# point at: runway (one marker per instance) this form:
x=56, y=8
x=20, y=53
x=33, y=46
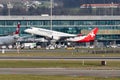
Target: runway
x=58, y=58
x=61, y=71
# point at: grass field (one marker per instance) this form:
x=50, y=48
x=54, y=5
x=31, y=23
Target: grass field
x=59, y=53
x=59, y=64
x=42, y=77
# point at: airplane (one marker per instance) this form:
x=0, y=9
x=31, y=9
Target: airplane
x=10, y=39
x=55, y=35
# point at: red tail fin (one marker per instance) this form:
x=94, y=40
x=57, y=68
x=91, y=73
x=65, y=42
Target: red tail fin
x=92, y=34
x=17, y=29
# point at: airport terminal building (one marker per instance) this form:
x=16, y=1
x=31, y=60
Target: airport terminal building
x=109, y=26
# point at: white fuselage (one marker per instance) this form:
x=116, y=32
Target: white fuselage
x=48, y=33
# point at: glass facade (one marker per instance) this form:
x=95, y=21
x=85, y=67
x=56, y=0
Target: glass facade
x=108, y=29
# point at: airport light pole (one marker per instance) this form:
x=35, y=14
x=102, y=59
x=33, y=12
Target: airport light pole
x=9, y=6
x=51, y=1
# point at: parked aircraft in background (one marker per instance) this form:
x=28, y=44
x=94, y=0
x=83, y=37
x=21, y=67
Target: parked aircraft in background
x=10, y=39
x=55, y=35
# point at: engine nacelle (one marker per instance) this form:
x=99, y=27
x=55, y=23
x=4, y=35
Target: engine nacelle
x=55, y=37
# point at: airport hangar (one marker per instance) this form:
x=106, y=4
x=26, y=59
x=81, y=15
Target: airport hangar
x=109, y=26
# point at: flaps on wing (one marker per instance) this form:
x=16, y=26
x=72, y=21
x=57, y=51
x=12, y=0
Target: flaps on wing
x=65, y=37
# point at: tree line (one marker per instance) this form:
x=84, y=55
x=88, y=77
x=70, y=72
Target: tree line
x=60, y=11
x=66, y=7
